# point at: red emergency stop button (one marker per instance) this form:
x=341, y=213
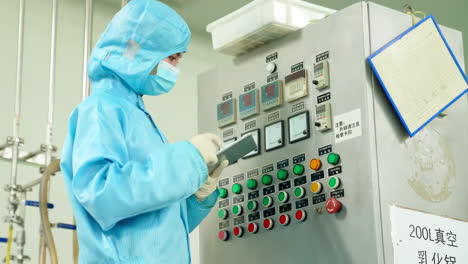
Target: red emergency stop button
x=223, y=235
x=333, y=206
x=253, y=228
x=268, y=223
x=238, y=231
x=284, y=219
x=300, y=215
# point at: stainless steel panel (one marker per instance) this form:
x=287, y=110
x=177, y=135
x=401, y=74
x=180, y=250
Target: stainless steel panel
x=376, y=166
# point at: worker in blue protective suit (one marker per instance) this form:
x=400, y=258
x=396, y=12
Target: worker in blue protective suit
x=135, y=196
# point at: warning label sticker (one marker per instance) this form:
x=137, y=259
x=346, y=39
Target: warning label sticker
x=347, y=126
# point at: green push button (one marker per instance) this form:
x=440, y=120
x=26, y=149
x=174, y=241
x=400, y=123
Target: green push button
x=252, y=184
x=283, y=197
x=267, y=179
x=222, y=214
x=236, y=188
x=298, y=169
x=282, y=174
x=223, y=192
x=299, y=192
x=267, y=201
x=334, y=182
x=333, y=158
x=237, y=209
x=252, y=205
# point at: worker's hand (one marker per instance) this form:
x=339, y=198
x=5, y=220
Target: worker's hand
x=211, y=182
x=208, y=145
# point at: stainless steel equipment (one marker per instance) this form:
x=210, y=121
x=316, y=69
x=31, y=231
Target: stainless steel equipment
x=301, y=113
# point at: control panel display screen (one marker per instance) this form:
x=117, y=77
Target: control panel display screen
x=248, y=104
x=299, y=127
x=272, y=95
x=295, y=85
x=274, y=136
x=226, y=112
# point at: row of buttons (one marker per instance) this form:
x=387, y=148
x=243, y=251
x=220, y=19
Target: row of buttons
x=332, y=206
x=283, y=197
x=283, y=174
x=268, y=224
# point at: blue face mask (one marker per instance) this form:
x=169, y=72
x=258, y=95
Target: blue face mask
x=164, y=80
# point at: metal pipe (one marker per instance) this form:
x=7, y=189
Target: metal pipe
x=50, y=116
x=87, y=47
x=19, y=77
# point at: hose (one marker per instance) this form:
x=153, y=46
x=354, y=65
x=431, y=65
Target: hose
x=76, y=249
x=10, y=241
x=53, y=167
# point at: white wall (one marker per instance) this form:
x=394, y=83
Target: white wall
x=68, y=94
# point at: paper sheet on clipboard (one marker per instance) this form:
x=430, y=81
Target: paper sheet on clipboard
x=419, y=74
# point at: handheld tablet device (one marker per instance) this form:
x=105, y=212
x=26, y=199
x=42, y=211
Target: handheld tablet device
x=236, y=150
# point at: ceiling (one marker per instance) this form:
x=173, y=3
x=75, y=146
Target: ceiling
x=199, y=13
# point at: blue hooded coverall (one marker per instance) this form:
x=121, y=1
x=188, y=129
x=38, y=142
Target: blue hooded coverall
x=132, y=191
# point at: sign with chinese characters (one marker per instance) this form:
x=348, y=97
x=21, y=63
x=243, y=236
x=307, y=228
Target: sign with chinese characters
x=347, y=126
x=422, y=238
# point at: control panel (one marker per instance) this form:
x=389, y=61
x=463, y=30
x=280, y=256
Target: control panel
x=331, y=156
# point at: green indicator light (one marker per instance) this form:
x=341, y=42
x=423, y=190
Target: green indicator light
x=252, y=184
x=282, y=174
x=333, y=158
x=236, y=188
x=223, y=193
x=298, y=169
x=252, y=205
x=334, y=182
x=236, y=209
x=267, y=201
x=282, y=196
x=267, y=179
x=298, y=192
x=222, y=214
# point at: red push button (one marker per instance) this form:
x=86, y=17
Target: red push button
x=268, y=223
x=301, y=215
x=333, y=206
x=253, y=228
x=223, y=235
x=238, y=231
x=284, y=219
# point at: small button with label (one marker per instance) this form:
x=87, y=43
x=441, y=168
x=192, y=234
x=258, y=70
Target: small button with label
x=299, y=192
x=252, y=184
x=252, y=227
x=284, y=219
x=237, y=209
x=315, y=164
x=298, y=169
x=300, y=215
x=252, y=205
x=334, y=182
x=316, y=187
x=223, y=235
x=223, y=192
x=268, y=223
x=333, y=158
x=237, y=188
x=223, y=214
x=238, y=231
x=282, y=174
x=267, y=179
x=283, y=196
x=267, y=201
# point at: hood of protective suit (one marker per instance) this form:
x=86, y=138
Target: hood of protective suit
x=139, y=36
